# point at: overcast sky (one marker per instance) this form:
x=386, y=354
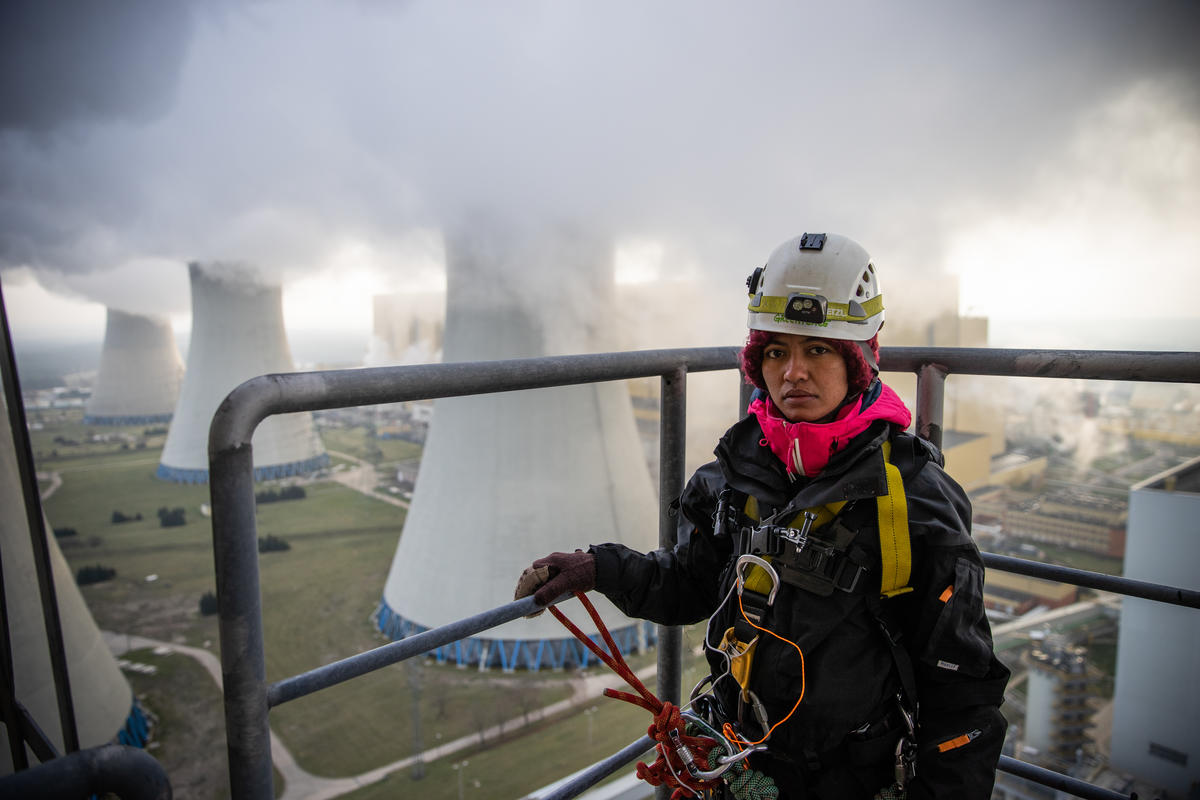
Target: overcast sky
x=1046, y=154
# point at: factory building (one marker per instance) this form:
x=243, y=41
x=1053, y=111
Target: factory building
x=1060, y=701
x=1157, y=705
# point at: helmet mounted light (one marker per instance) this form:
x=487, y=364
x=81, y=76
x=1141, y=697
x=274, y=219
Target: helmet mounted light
x=808, y=308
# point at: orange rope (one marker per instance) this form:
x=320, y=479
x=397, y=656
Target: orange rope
x=727, y=729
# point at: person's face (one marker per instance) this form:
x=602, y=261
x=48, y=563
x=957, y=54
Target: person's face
x=805, y=376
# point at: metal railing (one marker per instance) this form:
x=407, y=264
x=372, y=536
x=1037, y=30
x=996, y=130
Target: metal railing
x=248, y=696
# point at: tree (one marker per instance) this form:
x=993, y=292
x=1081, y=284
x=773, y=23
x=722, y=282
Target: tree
x=94, y=574
x=208, y=604
x=271, y=543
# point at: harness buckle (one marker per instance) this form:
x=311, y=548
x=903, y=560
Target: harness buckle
x=839, y=577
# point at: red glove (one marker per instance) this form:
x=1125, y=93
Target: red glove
x=557, y=574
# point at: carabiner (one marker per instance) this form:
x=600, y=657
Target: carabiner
x=724, y=763
x=906, y=748
x=765, y=566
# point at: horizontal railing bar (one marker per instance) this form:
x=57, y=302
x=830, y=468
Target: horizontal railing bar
x=394, y=652
x=599, y=771
x=281, y=393
x=1056, y=780
x=1095, y=580
x=1100, y=365
x=339, y=671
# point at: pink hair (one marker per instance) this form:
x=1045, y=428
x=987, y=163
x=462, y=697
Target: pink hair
x=858, y=373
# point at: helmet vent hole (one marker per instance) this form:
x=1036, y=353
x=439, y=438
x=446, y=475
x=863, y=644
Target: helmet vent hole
x=860, y=291
x=871, y=268
x=866, y=277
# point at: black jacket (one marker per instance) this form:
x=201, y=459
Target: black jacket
x=848, y=671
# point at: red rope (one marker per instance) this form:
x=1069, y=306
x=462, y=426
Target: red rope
x=667, y=725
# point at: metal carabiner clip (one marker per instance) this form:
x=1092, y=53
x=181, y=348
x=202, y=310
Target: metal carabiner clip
x=906, y=748
x=724, y=763
x=755, y=561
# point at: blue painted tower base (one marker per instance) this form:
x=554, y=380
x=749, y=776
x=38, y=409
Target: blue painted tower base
x=512, y=654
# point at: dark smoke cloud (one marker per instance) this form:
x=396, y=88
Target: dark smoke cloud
x=270, y=133
x=68, y=64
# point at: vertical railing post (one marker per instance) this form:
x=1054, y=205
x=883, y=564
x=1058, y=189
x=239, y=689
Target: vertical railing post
x=239, y=605
x=672, y=440
x=931, y=402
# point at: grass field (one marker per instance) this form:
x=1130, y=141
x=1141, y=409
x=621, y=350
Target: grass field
x=318, y=598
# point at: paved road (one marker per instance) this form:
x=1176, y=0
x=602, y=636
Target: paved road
x=362, y=478
x=302, y=785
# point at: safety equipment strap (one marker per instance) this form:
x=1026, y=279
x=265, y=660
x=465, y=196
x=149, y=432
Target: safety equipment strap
x=895, y=547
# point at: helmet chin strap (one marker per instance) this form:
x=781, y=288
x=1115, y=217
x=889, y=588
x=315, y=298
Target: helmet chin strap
x=869, y=355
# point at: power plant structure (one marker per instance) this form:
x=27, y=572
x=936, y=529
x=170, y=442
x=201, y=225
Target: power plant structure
x=104, y=706
x=140, y=372
x=237, y=334
x=1155, y=734
x=1062, y=698
x=506, y=478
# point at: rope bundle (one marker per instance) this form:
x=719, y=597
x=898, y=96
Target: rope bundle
x=669, y=730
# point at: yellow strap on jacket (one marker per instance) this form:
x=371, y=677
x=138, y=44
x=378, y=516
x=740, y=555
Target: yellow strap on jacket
x=895, y=548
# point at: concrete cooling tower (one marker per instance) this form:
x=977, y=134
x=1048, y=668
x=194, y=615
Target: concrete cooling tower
x=237, y=334
x=105, y=710
x=140, y=372
x=507, y=478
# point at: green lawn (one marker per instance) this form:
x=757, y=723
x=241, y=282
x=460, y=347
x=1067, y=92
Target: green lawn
x=359, y=442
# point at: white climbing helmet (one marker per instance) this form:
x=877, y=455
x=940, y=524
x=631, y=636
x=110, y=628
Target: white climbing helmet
x=818, y=284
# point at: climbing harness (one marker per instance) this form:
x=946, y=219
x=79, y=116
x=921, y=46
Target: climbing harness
x=693, y=758
x=816, y=551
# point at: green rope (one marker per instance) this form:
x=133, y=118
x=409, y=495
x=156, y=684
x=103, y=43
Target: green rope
x=745, y=783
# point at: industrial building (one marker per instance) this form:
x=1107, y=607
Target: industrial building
x=1155, y=731
x=1071, y=518
x=140, y=372
x=1061, y=700
x=237, y=334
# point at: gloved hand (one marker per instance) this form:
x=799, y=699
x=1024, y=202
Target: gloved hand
x=557, y=574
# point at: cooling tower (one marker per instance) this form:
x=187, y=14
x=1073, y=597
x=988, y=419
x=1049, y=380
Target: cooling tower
x=140, y=372
x=506, y=478
x=237, y=334
x=104, y=706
